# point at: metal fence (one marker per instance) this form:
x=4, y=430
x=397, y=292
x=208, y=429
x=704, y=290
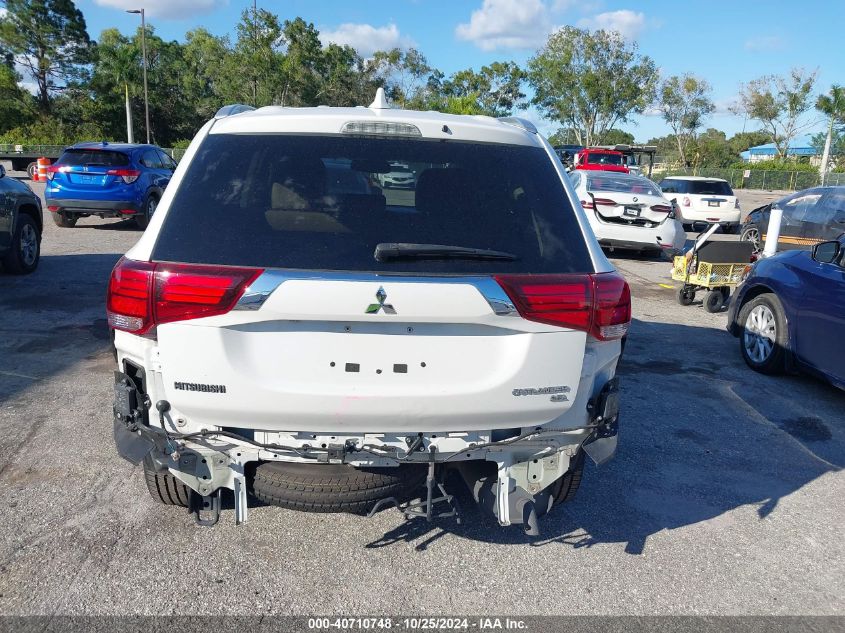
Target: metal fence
x=55, y=150
x=759, y=178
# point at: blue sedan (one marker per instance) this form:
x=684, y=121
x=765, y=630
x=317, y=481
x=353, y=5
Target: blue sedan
x=790, y=313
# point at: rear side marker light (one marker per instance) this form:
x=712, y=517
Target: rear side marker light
x=128, y=175
x=53, y=208
x=142, y=295
x=599, y=304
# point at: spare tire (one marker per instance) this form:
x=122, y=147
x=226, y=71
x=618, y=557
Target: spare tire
x=332, y=487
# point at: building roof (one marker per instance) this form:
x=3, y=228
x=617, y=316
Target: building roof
x=801, y=146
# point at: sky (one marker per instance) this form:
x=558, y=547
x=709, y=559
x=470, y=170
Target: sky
x=726, y=42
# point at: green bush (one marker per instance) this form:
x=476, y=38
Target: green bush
x=776, y=165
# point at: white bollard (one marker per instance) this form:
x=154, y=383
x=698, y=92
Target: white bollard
x=773, y=232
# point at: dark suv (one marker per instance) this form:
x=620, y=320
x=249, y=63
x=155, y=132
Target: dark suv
x=810, y=216
x=107, y=180
x=21, y=223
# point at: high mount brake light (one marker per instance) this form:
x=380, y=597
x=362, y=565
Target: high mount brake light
x=599, y=304
x=605, y=202
x=142, y=295
x=128, y=175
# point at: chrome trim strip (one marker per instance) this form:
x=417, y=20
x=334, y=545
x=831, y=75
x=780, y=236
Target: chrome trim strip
x=267, y=283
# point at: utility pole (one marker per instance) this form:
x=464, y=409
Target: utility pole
x=144, y=64
x=254, y=52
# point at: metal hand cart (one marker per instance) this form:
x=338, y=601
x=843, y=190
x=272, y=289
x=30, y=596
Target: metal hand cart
x=713, y=266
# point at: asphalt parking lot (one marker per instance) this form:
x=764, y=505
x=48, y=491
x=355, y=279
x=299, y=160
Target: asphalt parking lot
x=725, y=496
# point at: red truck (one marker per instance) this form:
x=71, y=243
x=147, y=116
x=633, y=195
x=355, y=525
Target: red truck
x=601, y=160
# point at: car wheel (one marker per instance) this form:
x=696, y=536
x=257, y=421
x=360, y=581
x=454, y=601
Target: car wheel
x=564, y=489
x=714, y=300
x=25, y=251
x=143, y=219
x=763, y=338
x=686, y=296
x=64, y=220
x=164, y=487
x=32, y=170
x=332, y=487
x=751, y=233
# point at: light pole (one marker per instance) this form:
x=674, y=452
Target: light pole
x=144, y=64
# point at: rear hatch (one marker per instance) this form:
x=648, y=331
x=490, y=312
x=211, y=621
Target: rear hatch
x=85, y=171
x=711, y=196
x=625, y=198
x=462, y=304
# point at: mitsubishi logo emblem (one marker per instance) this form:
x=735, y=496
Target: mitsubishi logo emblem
x=374, y=308
x=635, y=198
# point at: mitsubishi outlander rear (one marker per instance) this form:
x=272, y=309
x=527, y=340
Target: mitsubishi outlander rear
x=330, y=351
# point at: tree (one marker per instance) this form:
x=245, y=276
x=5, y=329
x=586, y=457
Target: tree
x=301, y=65
x=589, y=82
x=496, y=89
x=16, y=105
x=118, y=67
x=832, y=105
x=779, y=103
x=684, y=102
x=402, y=73
x=617, y=137
x=48, y=38
x=253, y=68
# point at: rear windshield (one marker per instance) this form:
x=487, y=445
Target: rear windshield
x=594, y=158
x=326, y=202
x=623, y=184
x=93, y=157
x=697, y=187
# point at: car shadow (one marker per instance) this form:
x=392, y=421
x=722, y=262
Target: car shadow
x=53, y=319
x=120, y=225
x=701, y=437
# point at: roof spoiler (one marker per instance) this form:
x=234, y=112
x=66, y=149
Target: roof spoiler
x=523, y=124
x=235, y=108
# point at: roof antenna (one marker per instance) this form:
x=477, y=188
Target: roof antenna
x=380, y=102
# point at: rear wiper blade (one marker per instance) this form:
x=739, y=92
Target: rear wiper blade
x=403, y=250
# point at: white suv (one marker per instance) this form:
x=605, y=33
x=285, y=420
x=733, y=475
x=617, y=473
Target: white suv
x=701, y=199
x=336, y=351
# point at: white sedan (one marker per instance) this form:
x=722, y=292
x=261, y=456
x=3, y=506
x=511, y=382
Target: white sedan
x=629, y=212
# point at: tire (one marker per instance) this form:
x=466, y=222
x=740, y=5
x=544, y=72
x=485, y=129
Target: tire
x=143, y=219
x=332, y=487
x=763, y=336
x=164, y=487
x=64, y=220
x=565, y=488
x=25, y=251
x=714, y=300
x=751, y=233
x=32, y=170
x=685, y=296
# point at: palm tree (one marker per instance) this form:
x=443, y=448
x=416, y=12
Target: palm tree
x=118, y=64
x=831, y=105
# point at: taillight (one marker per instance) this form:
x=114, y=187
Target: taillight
x=686, y=201
x=599, y=304
x=52, y=170
x=661, y=208
x=128, y=175
x=142, y=295
x=605, y=202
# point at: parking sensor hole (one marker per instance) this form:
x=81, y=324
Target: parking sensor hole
x=203, y=461
x=422, y=364
x=378, y=371
x=332, y=364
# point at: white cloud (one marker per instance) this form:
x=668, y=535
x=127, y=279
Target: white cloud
x=765, y=43
x=626, y=22
x=365, y=38
x=508, y=24
x=2, y=12
x=167, y=9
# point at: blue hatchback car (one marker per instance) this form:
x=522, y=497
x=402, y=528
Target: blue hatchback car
x=790, y=313
x=107, y=180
